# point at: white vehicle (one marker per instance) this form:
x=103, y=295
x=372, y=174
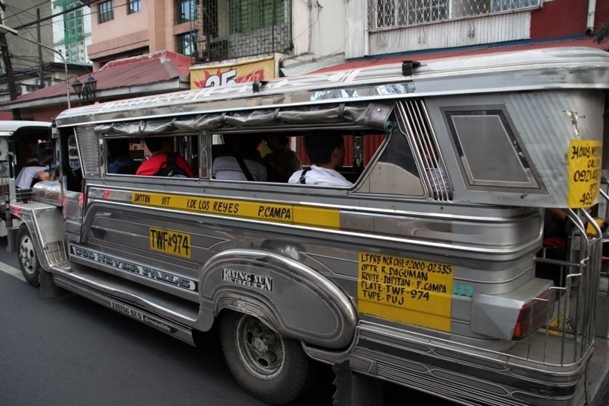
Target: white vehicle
x=429, y=271
x=19, y=140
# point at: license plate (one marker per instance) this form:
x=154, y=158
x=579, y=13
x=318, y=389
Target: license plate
x=170, y=242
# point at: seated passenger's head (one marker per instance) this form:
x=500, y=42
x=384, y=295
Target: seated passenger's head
x=325, y=148
x=43, y=175
x=276, y=142
x=244, y=143
x=159, y=144
x=118, y=148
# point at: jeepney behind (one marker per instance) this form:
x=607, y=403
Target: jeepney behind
x=426, y=273
x=19, y=140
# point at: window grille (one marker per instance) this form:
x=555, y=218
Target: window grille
x=403, y=13
x=249, y=15
x=187, y=11
x=106, y=11
x=133, y=6
x=238, y=28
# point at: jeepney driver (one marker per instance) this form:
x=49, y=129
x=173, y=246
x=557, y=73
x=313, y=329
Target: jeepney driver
x=29, y=175
x=326, y=150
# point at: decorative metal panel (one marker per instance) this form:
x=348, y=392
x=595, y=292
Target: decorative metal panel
x=88, y=149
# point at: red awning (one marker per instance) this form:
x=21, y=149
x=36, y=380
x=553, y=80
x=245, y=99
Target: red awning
x=136, y=71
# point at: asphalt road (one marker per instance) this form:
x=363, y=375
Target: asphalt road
x=71, y=351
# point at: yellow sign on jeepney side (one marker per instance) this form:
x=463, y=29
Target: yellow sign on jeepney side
x=584, y=162
x=405, y=290
x=265, y=211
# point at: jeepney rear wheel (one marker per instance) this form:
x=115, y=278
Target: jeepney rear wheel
x=267, y=365
x=28, y=259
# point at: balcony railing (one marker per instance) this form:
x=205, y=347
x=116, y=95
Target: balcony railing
x=389, y=14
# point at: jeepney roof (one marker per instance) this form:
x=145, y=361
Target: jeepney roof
x=544, y=68
x=9, y=127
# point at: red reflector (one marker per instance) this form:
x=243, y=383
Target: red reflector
x=534, y=314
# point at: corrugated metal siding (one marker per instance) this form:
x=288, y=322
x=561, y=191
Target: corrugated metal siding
x=356, y=14
x=475, y=31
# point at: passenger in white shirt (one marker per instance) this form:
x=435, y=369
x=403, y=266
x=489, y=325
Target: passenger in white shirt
x=28, y=173
x=244, y=147
x=326, y=150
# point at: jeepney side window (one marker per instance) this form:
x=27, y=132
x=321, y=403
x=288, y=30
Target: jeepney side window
x=123, y=155
x=395, y=171
x=131, y=156
x=480, y=137
x=237, y=157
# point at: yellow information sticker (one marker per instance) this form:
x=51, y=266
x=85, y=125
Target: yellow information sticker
x=584, y=161
x=170, y=242
x=405, y=290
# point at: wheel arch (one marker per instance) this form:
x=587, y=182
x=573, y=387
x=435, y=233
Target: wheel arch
x=290, y=297
x=45, y=226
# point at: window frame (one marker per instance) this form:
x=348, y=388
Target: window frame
x=134, y=6
x=181, y=43
x=105, y=11
x=184, y=7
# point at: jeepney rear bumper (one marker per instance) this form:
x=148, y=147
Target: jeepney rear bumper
x=466, y=375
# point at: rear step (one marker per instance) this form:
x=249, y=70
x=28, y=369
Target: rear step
x=164, y=312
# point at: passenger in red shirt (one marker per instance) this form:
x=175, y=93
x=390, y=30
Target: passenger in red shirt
x=159, y=147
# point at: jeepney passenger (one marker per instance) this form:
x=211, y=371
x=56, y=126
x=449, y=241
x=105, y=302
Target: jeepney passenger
x=29, y=175
x=121, y=160
x=326, y=150
x=242, y=161
x=160, y=148
x=281, y=162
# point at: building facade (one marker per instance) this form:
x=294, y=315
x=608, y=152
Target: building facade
x=229, y=41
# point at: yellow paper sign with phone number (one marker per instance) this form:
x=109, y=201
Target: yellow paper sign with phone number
x=584, y=162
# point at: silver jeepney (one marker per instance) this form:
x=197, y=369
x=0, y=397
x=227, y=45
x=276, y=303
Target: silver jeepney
x=425, y=273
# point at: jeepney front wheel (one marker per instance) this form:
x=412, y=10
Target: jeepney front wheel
x=267, y=365
x=28, y=259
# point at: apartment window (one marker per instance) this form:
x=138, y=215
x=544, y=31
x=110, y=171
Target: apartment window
x=248, y=15
x=106, y=11
x=187, y=44
x=133, y=6
x=404, y=13
x=187, y=11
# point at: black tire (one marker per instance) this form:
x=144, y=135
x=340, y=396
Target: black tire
x=28, y=259
x=267, y=365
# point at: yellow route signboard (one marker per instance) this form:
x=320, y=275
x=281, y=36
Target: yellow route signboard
x=405, y=290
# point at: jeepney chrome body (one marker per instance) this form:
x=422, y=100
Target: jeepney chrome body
x=306, y=273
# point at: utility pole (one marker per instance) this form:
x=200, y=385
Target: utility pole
x=6, y=57
x=40, y=49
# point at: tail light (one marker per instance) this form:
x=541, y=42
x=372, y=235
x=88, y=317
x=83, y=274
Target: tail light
x=535, y=314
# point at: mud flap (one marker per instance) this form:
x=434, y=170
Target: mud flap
x=11, y=239
x=354, y=389
x=48, y=288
